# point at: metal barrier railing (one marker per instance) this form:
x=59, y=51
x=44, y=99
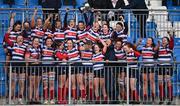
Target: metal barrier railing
x=74, y=83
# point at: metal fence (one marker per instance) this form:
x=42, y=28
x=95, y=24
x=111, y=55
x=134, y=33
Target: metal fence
x=115, y=83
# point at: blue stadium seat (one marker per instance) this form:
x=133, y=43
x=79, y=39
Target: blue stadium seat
x=176, y=41
x=19, y=2
x=71, y=14
x=151, y=29
x=174, y=15
x=80, y=2
x=1, y=2
x=33, y=2
x=34, y=6
x=4, y=6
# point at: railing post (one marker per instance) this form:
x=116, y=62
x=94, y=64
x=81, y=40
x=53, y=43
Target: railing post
x=69, y=96
x=127, y=81
x=129, y=23
x=10, y=81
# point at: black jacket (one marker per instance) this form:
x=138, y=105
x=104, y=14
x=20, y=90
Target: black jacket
x=98, y=4
x=119, y=4
x=136, y=4
x=51, y=4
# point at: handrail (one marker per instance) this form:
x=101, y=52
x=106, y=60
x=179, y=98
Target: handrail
x=176, y=10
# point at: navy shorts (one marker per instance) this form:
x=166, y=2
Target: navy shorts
x=133, y=72
x=48, y=68
x=165, y=70
x=99, y=73
x=148, y=69
x=18, y=67
x=87, y=69
x=35, y=69
x=76, y=68
x=62, y=69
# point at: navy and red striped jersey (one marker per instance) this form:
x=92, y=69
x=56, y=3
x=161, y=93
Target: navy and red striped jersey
x=18, y=52
x=47, y=55
x=120, y=54
x=39, y=33
x=148, y=55
x=59, y=35
x=92, y=36
x=86, y=55
x=99, y=57
x=164, y=55
x=71, y=33
x=73, y=55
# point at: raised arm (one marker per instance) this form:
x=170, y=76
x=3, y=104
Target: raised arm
x=47, y=21
x=138, y=43
x=157, y=47
x=33, y=18
x=104, y=46
x=65, y=18
x=6, y=37
x=12, y=19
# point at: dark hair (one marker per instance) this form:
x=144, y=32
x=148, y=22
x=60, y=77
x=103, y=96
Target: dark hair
x=48, y=38
x=130, y=45
x=19, y=35
x=39, y=18
x=120, y=23
x=71, y=20
x=153, y=44
x=119, y=40
x=81, y=22
x=106, y=25
x=166, y=38
x=99, y=45
x=16, y=23
x=35, y=38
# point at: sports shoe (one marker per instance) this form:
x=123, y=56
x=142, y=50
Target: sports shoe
x=46, y=102
x=52, y=102
x=20, y=100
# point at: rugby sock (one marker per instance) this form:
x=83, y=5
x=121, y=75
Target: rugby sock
x=74, y=93
x=45, y=93
x=161, y=92
x=170, y=92
x=83, y=94
x=51, y=94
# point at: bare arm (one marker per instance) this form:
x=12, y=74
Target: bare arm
x=104, y=46
x=47, y=21
x=33, y=18
x=12, y=19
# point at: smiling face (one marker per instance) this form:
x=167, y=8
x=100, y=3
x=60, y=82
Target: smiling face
x=26, y=25
x=81, y=26
x=49, y=42
x=39, y=22
x=118, y=45
x=126, y=48
x=58, y=24
x=96, y=48
x=119, y=27
x=72, y=23
x=165, y=41
x=17, y=27
x=149, y=42
x=105, y=29
x=69, y=44
x=19, y=40
x=96, y=26
x=35, y=42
